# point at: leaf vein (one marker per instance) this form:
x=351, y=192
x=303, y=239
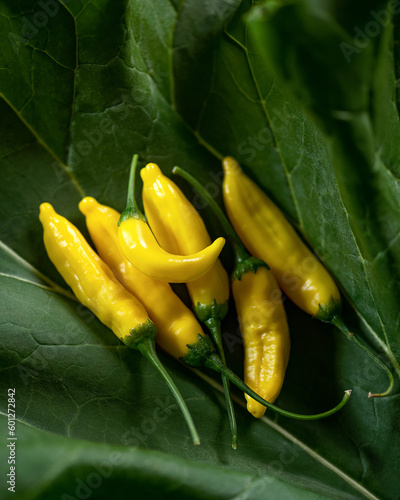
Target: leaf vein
x=24, y=263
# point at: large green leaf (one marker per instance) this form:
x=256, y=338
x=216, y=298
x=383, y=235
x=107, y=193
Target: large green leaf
x=181, y=83
x=352, y=97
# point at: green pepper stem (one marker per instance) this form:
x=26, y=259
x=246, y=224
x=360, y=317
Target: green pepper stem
x=147, y=348
x=241, y=253
x=339, y=323
x=214, y=362
x=214, y=327
x=131, y=200
x=132, y=210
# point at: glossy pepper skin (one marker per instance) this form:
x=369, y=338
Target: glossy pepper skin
x=179, y=228
x=142, y=249
x=265, y=334
x=176, y=324
x=91, y=279
x=268, y=235
x=96, y=287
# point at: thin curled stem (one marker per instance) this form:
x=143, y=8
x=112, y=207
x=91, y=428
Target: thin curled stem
x=339, y=323
x=131, y=200
x=215, y=363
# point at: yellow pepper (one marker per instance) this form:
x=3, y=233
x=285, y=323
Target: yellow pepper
x=95, y=286
x=141, y=248
x=261, y=315
x=179, y=228
x=268, y=235
x=91, y=280
x=176, y=324
x=265, y=334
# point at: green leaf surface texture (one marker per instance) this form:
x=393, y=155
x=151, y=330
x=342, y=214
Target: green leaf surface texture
x=305, y=95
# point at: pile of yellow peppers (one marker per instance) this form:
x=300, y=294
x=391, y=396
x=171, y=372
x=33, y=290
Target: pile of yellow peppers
x=126, y=283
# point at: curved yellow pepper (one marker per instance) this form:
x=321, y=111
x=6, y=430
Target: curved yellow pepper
x=176, y=324
x=179, y=228
x=95, y=286
x=265, y=334
x=141, y=248
x=268, y=235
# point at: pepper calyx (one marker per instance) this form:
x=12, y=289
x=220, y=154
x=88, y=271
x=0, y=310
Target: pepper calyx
x=199, y=352
x=328, y=311
x=131, y=213
x=246, y=266
x=213, y=311
x=141, y=335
